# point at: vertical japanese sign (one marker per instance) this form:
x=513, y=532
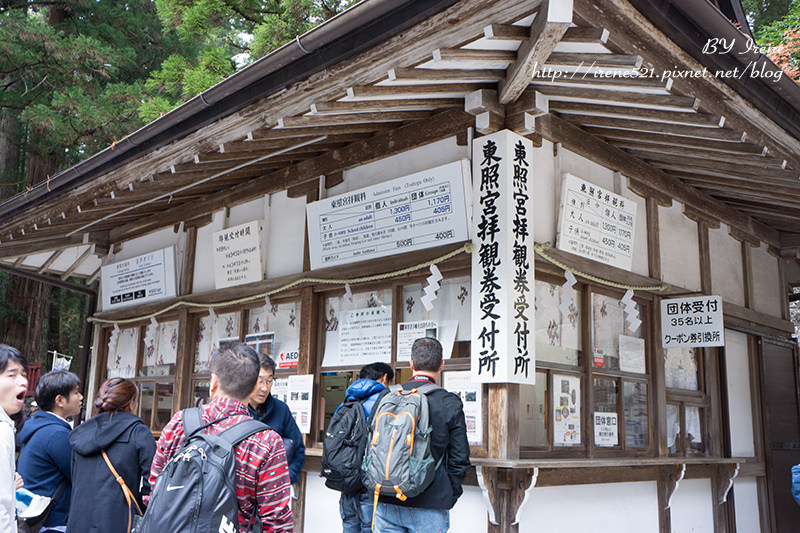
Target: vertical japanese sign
x=692, y=322
x=596, y=223
x=502, y=264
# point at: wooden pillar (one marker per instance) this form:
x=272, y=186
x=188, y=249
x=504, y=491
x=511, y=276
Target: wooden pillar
x=502, y=484
x=505, y=489
x=187, y=272
x=183, y=362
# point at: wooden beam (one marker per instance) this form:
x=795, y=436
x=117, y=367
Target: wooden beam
x=439, y=126
x=594, y=60
x=766, y=161
x=700, y=216
x=16, y=248
x=508, y=32
x=596, y=95
x=50, y=261
x=402, y=92
x=621, y=135
x=547, y=29
x=352, y=118
x=189, y=251
x=84, y=256
x=489, y=114
x=678, y=117
x=413, y=104
x=591, y=81
x=599, y=151
x=657, y=127
x=417, y=75
x=735, y=164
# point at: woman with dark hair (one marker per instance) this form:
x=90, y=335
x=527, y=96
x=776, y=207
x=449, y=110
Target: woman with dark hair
x=115, y=440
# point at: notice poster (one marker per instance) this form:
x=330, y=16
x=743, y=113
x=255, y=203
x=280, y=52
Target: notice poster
x=596, y=223
x=605, y=429
x=287, y=354
x=262, y=342
x=300, y=400
x=417, y=211
x=631, y=354
x=407, y=332
x=141, y=279
x=280, y=390
x=567, y=410
x=692, y=322
x=471, y=394
x=237, y=255
x=365, y=336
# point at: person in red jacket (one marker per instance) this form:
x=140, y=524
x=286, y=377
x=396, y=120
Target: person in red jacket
x=262, y=475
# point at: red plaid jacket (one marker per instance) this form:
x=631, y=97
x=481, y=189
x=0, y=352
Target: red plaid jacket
x=262, y=474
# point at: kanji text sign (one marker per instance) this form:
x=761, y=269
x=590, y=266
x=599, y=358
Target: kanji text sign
x=692, y=322
x=138, y=280
x=596, y=223
x=417, y=211
x=237, y=255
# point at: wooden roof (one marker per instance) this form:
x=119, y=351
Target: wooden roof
x=599, y=90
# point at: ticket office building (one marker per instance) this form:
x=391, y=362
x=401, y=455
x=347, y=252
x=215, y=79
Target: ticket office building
x=617, y=433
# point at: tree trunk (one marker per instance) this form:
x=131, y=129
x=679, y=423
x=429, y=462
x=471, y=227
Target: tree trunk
x=24, y=327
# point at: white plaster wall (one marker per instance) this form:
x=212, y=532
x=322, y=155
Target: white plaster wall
x=322, y=509
x=727, y=276
x=747, y=512
x=546, y=194
x=572, y=163
x=692, y=507
x=246, y=212
x=416, y=160
x=640, y=263
x=203, y=256
x=767, y=283
x=285, y=234
x=599, y=508
x=680, y=253
x=150, y=242
x=740, y=409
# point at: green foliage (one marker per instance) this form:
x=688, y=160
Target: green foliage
x=780, y=40
x=764, y=12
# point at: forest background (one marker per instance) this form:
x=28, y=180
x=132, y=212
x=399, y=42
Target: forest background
x=78, y=75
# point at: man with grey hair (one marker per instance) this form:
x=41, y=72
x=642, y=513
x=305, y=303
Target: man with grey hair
x=429, y=512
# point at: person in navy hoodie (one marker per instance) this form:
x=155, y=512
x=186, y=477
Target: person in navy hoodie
x=356, y=509
x=46, y=455
x=276, y=414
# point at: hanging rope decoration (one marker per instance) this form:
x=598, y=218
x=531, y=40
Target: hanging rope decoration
x=540, y=248
x=466, y=248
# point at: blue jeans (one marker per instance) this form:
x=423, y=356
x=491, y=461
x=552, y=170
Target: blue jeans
x=396, y=519
x=356, y=512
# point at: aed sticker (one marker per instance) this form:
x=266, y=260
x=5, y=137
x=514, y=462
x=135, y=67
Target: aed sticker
x=288, y=359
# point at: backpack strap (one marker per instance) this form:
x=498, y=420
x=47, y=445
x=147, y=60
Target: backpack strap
x=428, y=388
x=239, y=432
x=192, y=418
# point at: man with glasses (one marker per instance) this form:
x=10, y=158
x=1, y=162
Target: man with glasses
x=276, y=414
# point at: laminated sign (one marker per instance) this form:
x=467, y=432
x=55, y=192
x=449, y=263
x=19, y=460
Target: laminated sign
x=692, y=322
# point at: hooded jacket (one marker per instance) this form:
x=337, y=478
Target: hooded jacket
x=98, y=503
x=44, y=461
x=277, y=416
x=8, y=521
x=366, y=391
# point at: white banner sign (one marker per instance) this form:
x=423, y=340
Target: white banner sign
x=418, y=211
x=237, y=255
x=596, y=223
x=138, y=280
x=502, y=264
x=692, y=322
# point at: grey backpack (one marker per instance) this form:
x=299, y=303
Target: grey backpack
x=196, y=491
x=398, y=460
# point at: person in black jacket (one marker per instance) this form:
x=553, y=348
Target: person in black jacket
x=98, y=501
x=429, y=512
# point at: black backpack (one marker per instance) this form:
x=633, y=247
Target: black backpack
x=196, y=490
x=344, y=446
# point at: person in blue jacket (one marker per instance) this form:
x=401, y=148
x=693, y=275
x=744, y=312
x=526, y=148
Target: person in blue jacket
x=373, y=380
x=45, y=460
x=276, y=414
x=796, y=483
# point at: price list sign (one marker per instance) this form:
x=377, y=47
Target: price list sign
x=414, y=212
x=596, y=223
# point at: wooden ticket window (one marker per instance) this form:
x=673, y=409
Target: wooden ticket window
x=688, y=404
x=147, y=354
x=592, y=370
x=399, y=302
x=275, y=328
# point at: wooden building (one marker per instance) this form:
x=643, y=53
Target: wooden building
x=663, y=106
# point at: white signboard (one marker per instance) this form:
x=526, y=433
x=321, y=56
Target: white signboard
x=418, y=211
x=237, y=255
x=287, y=354
x=280, y=389
x=502, y=264
x=300, y=400
x=692, y=322
x=365, y=336
x=605, y=429
x=566, y=410
x=138, y=280
x=471, y=394
x=596, y=223
x=407, y=332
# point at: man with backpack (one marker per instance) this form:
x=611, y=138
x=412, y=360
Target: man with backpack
x=262, y=489
x=418, y=455
x=345, y=443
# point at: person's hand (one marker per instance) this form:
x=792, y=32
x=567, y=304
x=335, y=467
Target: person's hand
x=18, y=482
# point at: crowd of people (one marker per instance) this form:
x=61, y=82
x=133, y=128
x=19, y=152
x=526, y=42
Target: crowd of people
x=101, y=475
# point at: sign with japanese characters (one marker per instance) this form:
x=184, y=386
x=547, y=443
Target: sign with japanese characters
x=301, y=395
x=365, y=336
x=237, y=255
x=605, y=429
x=596, y=223
x=471, y=394
x=566, y=410
x=414, y=212
x=138, y=280
x=692, y=322
x=502, y=264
